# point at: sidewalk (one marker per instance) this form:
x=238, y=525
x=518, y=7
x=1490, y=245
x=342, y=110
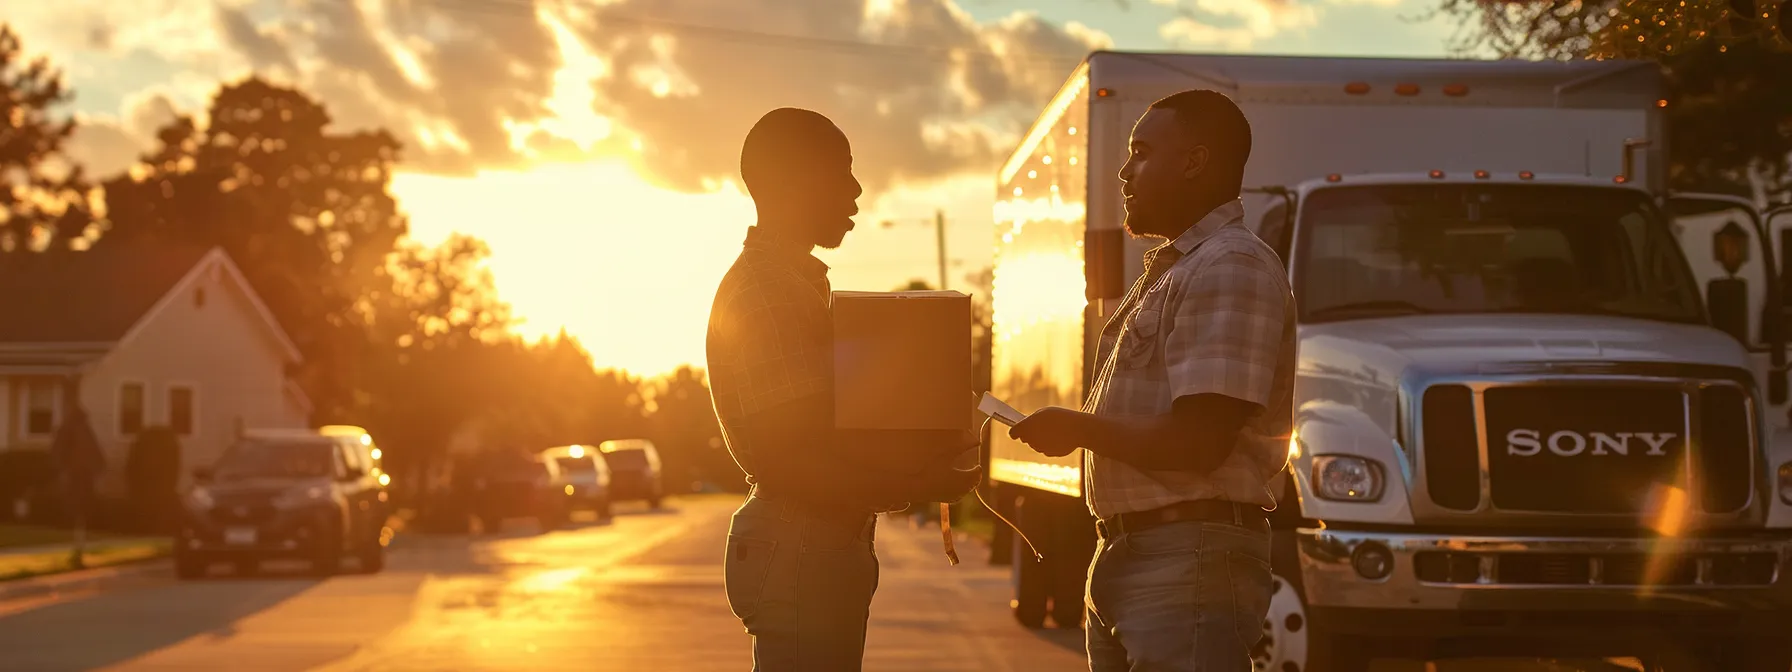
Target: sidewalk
x=44, y=568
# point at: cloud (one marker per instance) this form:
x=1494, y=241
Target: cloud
x=1238, y=25
x=948, y=94
x=107, y=145
x=923, y=89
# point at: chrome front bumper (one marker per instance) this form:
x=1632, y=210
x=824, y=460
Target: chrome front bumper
x=1689, y=574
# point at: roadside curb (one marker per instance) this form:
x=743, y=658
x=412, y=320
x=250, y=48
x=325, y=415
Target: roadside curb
x=82, y=580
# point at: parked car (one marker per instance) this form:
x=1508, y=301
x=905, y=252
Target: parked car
x=634, y=471
x=284, y=494
x=584, y=475
x=503, y=484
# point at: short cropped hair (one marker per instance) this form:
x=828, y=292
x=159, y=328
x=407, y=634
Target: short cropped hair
x=782, y=140
x=1213, y=120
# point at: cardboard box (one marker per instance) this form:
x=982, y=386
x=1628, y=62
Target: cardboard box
x=902, y=360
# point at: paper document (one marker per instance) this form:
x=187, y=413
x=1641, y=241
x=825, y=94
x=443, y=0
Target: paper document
x=1000, y=410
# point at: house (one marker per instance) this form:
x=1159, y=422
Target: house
x=158, y=334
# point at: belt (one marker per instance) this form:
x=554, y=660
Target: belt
x=1248, y=516
x=849, y=516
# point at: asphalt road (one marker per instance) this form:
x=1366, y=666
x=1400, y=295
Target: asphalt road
x=640, y=592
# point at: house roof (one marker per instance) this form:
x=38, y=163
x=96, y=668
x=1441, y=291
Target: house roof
x=88, y=297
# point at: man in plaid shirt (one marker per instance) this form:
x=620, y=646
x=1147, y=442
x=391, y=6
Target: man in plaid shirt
x=800, y=569
x=1188, y=419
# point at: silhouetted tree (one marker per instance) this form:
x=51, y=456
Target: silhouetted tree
x=304, y=211
x=431, y=322
x=45, y=200
x=685, y=430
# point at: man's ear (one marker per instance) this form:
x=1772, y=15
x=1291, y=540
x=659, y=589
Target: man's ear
x=1197, y=162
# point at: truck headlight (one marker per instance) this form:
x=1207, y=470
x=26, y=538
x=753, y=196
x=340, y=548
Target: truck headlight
x=1346, y=478
x=1786, y=482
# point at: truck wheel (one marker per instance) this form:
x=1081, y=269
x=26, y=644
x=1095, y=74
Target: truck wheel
x=602, y=508
x=327, y=560
x=372, y=555
x=1030, y=582
x=1290, y=643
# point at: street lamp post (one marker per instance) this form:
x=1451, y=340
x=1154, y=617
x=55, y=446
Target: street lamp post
x=939, y=232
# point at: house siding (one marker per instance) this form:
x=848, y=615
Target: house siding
x=221, y=349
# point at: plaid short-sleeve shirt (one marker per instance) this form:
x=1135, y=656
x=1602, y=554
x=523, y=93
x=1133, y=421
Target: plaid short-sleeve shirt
x=770, y=337
x=1213, y=313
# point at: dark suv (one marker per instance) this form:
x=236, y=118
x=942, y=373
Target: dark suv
x=502, y=484
x=634, y=470
x=290, y=494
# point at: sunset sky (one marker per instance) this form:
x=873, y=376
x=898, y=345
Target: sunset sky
x=594, y=144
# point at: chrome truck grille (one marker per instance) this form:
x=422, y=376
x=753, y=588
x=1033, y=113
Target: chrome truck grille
x=1587, y=447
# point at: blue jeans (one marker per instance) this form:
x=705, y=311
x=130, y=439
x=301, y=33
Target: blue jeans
x=801, y=584
x=1180, y=596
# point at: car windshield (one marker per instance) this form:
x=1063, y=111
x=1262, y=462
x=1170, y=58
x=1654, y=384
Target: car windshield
x=627, y=458
x=1375, y=251
x=576, y=465
x=276, y=459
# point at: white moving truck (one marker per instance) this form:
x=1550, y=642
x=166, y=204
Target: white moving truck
x=1540, y=400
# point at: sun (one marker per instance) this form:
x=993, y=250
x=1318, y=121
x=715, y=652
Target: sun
x=628, y=269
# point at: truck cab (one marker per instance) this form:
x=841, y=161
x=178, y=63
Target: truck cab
x=1514, y=416
x=1541, y=404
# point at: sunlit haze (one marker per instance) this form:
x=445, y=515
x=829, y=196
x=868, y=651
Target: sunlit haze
x=630, y=270
x=593, y=145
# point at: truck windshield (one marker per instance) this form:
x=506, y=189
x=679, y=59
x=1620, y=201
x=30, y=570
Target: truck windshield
x=1381, y=250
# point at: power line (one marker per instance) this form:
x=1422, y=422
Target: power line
x=526, y=9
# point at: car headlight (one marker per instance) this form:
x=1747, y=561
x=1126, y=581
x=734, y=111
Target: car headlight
x=1786, y=482
x=200, y=499
x=297, y=497
x=1346, y=478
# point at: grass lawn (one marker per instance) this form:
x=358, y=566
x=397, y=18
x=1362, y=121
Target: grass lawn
x=100, y=553
x=12, y=535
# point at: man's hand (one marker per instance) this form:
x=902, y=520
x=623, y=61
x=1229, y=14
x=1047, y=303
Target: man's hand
x=1051, y=431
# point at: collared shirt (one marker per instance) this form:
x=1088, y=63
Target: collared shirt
x=1212, y=313
x=770, y=336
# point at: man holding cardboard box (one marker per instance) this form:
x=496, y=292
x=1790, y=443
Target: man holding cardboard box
x=800, y=568
x=1188, y=420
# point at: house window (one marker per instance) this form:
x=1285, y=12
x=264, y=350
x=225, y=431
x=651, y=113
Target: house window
x=130, y=408
x=180, y=410
x=40, y=408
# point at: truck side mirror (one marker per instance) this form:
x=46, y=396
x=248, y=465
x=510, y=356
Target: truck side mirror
x=1727, y=298
x=1774, y=317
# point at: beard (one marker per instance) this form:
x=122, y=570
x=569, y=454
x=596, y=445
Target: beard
x=1140, y=226
x=832, y=236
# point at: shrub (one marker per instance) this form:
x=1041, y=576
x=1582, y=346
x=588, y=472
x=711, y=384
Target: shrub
x=152, y=472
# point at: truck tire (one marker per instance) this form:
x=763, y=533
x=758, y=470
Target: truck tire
x=326, y=560
x=1290, y=643
x=373, y=555
x=1032, y=577
x=1030, y=594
